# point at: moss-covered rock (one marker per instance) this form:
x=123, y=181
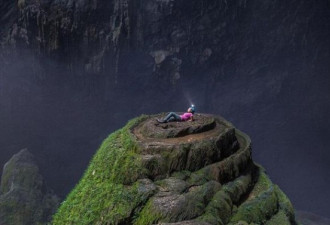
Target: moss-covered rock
x=197, y=176
x=24, y=198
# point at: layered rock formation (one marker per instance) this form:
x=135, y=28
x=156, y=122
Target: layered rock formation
x=24, y=197
x=198, y=172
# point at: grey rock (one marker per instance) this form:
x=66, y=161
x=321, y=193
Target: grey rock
x=25, y=199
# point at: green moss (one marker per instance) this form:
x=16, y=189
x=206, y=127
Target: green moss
x=221, y=207
x=106, y=194
x=182, y=175
x=263, y=202
x=258, y=209
x=260, y=204
x=285, y=204
x=218, y=210
x=148, y=215
x=262, y=184
x=199, y=177
x=237, y=188
x=176, y=159
x=171, y=208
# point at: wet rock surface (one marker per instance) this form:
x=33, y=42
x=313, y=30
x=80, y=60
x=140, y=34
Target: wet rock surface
x=207, y=177
x=196, y=144
x=152, y=128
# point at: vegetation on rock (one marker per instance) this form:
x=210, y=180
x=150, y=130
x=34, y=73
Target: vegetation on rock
x=205, y=177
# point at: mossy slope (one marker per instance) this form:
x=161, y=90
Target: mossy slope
x=119, y=187
x=108, y=192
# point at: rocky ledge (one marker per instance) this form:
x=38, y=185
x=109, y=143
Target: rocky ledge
x=198, y=172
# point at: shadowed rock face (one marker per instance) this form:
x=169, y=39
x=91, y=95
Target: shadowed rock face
x=205, y=177
x=170, y=38
x=24, y=198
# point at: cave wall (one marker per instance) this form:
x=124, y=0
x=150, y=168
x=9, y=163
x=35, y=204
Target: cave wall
x=79, y=69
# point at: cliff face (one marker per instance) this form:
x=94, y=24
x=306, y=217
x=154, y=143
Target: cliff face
x=24, y=198
x=197, y=172
x=171, y=38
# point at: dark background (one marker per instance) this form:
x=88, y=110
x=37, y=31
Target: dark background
x=267, y=72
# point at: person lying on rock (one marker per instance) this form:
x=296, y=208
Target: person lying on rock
x=172, y=116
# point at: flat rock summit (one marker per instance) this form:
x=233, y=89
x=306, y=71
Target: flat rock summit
x=188, y=173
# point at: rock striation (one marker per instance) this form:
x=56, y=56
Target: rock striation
x=198, y=172
x=173, y=39
x=24, y=197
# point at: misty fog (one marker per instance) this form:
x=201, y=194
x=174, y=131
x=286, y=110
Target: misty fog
x=276, y=92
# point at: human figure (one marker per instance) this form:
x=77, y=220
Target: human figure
x=172, y=116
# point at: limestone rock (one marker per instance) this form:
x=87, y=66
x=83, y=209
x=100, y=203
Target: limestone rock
x=177, y=38
x=24, y=198
x=180, y=173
